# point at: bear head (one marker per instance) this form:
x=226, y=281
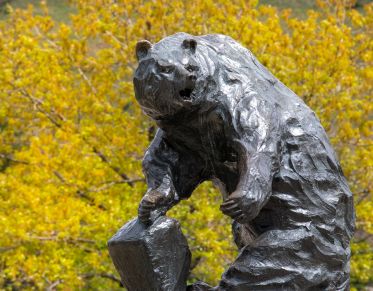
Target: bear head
x=166, y=76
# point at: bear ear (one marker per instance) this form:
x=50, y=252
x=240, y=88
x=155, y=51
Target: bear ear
x=142, y=49
x=190, y=44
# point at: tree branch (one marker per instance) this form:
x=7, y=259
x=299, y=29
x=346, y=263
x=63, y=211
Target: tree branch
x=364, y=194
x=114, y=168
x=9, y=248
x=102, y=275
x=39, y=106
x=109, y=184
x=9, y=158
x=86, y=79
x=52, y=286
x=67, y=240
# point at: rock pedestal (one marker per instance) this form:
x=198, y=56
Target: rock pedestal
x=151, y=258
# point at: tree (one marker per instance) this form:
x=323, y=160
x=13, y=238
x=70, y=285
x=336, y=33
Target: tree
x=72, y=136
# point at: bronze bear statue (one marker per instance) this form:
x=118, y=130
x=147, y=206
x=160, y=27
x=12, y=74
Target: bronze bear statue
x=223, y=117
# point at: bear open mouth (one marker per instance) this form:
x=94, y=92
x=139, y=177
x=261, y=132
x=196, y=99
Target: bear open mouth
x=186, y=93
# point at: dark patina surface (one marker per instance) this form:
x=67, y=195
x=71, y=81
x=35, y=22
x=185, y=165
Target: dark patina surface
x=223, y=117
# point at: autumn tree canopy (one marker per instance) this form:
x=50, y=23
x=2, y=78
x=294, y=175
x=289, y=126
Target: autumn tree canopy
x=72, y=136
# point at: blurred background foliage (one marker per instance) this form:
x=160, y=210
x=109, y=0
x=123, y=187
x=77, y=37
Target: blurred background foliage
x=72, y=136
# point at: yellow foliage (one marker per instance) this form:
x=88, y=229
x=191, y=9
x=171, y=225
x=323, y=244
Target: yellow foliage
x=72, y=136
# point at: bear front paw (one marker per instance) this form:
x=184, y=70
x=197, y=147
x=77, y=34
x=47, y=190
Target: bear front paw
x=239, y=206
x=152, y=205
